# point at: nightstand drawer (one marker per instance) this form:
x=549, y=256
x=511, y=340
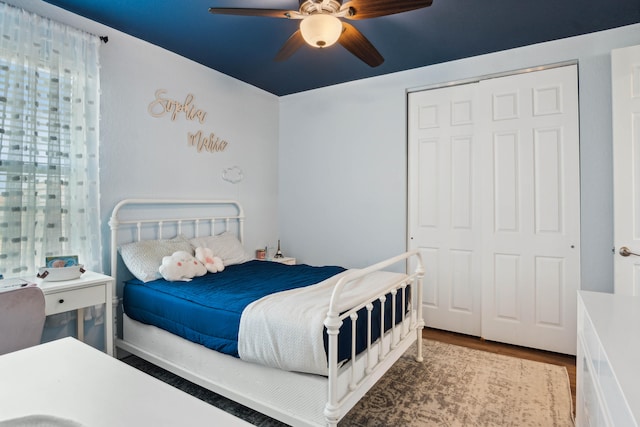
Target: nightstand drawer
x=285, y=260
x=59, y=302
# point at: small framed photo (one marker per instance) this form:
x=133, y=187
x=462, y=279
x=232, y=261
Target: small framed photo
x=61, y=261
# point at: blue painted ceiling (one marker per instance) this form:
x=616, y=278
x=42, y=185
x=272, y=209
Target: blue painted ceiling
x=244, y=46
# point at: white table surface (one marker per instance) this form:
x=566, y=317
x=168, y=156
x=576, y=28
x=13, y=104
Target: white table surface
x=73, y=381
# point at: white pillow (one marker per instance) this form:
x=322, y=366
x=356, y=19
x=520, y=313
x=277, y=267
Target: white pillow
x=145, y=257
x=225, y=245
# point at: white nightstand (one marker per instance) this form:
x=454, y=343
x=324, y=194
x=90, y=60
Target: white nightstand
x=88, y=290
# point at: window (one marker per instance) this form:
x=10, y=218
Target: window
x=49, y=89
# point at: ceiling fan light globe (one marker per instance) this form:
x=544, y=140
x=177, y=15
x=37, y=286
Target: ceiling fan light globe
x=321, y=30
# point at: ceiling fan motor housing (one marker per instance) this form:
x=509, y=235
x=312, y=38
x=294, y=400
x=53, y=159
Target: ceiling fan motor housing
x=311, y=7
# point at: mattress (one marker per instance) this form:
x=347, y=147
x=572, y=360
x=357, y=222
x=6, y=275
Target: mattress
x=207, y=310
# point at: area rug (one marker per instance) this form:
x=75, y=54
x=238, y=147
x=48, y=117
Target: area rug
x=454, y=386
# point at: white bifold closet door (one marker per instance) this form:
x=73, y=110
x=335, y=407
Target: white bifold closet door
x=494, y=206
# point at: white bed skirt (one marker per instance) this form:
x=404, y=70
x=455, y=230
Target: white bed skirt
x=293, y=398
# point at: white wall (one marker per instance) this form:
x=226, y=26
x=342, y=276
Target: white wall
x=146, y=156
x=143, y=156
x=342, y=152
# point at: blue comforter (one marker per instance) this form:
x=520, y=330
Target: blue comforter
x=207, y=310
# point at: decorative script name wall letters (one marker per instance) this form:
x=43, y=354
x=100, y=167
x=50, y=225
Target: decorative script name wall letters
x=162, y=106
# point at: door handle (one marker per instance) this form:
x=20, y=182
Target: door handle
x=624, y=251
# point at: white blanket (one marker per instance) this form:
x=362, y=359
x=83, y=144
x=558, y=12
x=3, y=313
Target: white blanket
x=285, y=330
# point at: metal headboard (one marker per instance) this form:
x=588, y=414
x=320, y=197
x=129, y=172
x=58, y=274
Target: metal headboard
x=177, y=224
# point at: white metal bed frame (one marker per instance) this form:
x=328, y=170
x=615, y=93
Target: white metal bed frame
x=291, y=397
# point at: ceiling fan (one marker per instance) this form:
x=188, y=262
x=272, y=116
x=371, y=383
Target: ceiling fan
x=321, y=27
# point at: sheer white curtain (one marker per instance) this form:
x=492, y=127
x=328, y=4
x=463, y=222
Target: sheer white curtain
x=49, y=109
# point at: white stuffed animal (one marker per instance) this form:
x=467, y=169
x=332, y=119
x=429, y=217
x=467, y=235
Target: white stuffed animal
x=212, y=263
x=181, y=266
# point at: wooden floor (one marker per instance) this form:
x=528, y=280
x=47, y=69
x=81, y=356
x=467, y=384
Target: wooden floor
x=567, y=361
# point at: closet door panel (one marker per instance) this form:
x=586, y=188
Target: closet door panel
x=444, y=204
x=532, y=179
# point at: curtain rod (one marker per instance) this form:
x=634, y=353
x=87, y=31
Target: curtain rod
x=103, y=39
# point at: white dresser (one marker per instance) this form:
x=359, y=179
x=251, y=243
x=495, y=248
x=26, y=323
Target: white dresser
x=608, y=360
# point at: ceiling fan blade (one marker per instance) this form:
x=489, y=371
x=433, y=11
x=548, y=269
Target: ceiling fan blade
x=355, y=42
x=270, y=13
x=364, y=9
x=290, y=46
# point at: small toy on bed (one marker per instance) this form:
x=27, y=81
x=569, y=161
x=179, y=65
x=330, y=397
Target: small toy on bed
x=181, y=266
x=213, y=264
